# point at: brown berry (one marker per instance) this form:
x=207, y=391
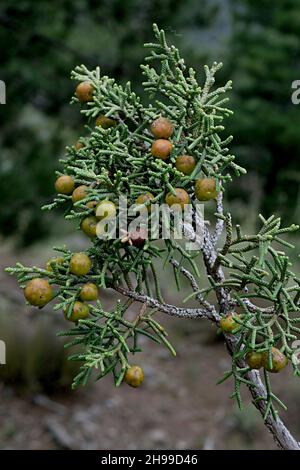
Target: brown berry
x=84, y=91
x=78, y=145
x=79, y=312
x=229, y=324
x=91, y=204
x=80, y=264
x=64, y=184
x=205, y=189
x=134, y=376
x=279, y=361
x=79, y=193
x=161, y=149
x=144, y=198
x=254, y=359
x=88, y=292
x=161, y=128
x=182, y=198
x=105, y=122
x=89, y=226
x=186, y=164
x=38, y=292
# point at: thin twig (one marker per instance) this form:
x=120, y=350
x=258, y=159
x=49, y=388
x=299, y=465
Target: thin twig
x=210, y=308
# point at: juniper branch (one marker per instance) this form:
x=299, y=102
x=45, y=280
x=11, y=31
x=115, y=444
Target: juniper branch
x=244, y=271
x=280, y=433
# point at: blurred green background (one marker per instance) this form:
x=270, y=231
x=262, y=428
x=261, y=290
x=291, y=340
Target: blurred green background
x=41, y=42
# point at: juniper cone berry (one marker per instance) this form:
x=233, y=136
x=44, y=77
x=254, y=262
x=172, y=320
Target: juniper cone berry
x=206, y=189
x=84, y=91
x=279, y=361
x=138, y=237
x=64, y=184
x=186, y=164
x=79, y=193
x=254, y=359
x=134, y=376
x=105, y=122
x=91, y=204
x=89, y=226
x=161, y=149
x=38, y=292
x=143, y=198
x=78, y=145
x=229, y=324
x=88, y=292
x=79, y=312
x=80, y=264
x=54, y=262
x=181, y=198
x=106, y=209
x=161, y=128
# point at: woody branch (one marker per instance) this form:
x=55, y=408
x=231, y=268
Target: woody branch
x=280, y=433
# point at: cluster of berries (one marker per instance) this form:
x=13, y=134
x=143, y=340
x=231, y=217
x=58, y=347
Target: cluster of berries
x=205, y=188
x=272, y=362
x=162, y=129
x=39, y=292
